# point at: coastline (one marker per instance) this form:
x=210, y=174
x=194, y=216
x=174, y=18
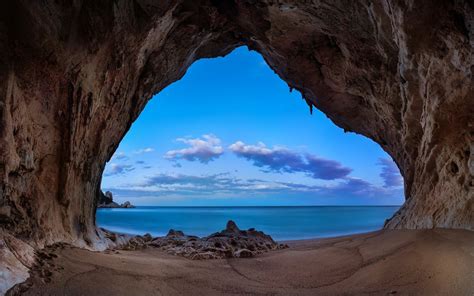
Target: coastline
x=297, y=241
x=374, y=263
x=299, y=222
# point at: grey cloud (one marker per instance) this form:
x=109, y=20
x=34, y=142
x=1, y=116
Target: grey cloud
x=213, y=185
x=120, y=156
x=118, y=169
x=279, y=159
x=390, y=173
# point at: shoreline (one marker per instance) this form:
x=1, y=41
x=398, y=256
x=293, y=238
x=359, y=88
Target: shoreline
x=374, y=263
x=283, y=241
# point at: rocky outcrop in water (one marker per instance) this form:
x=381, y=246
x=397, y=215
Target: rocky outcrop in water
x=74, y=76
x=105, y=198
x=228, y=243
x=107, y=201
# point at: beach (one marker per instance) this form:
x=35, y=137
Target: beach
x=386, y=262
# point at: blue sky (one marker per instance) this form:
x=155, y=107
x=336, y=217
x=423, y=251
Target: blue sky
x=230, y=132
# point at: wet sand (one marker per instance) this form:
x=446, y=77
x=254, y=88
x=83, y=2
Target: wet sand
x=428, y=262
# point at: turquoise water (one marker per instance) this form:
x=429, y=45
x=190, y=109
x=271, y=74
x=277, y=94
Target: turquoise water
x=282, y=223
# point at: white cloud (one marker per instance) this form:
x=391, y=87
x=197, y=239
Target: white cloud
x=144, y=150
x=204, y=149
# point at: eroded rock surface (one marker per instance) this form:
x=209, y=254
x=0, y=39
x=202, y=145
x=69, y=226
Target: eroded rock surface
x=16, y=259
x=229, y=243
x=75, y=75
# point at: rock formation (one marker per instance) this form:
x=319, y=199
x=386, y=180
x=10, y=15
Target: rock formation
x=229, y=243
x=107, y=201
x=105, y=198
x=75, y=75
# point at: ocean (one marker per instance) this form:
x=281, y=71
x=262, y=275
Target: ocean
x=282, y=223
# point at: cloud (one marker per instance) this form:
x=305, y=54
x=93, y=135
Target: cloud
x=279, y=159
x=204, y=149
x=221, y=185
x=144, y=150
x=144, y=164
x=118, y=169
x=347, y=187
x=211, y=185
x=390, y=173
x=120, y=156
x=168, y=179
x=326, y=169
x=353, y=187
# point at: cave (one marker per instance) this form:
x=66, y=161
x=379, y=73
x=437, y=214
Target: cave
x=179, y=166
x=73, y=78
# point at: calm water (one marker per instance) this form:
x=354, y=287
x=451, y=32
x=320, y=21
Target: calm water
x=282, y=223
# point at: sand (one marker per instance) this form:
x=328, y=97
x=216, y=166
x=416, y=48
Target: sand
x=421, y=262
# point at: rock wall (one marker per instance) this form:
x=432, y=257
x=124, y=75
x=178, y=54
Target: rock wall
x=74, y=75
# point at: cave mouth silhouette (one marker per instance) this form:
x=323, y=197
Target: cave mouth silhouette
x=223, y=101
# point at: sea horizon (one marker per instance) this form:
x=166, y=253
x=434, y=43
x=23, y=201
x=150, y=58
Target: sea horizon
x=283, y=223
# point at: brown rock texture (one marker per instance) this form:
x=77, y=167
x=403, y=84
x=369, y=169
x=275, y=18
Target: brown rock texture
x=231, y=242
x=228, y=243
x=74, y=75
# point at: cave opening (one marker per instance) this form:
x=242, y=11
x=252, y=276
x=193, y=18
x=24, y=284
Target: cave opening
x=74, y=78
x=231, y=141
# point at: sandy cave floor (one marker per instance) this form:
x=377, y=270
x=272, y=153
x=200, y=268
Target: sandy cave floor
x=397, y=262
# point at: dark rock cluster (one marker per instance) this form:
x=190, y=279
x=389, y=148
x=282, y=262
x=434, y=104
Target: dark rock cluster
x=107, y=201
x=228, y=243
x=106, y=198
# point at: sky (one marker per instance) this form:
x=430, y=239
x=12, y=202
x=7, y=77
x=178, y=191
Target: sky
x=231, y=133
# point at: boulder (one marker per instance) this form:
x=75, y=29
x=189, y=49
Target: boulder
x=127, y=205
x=173, y=232
x=231, y=227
